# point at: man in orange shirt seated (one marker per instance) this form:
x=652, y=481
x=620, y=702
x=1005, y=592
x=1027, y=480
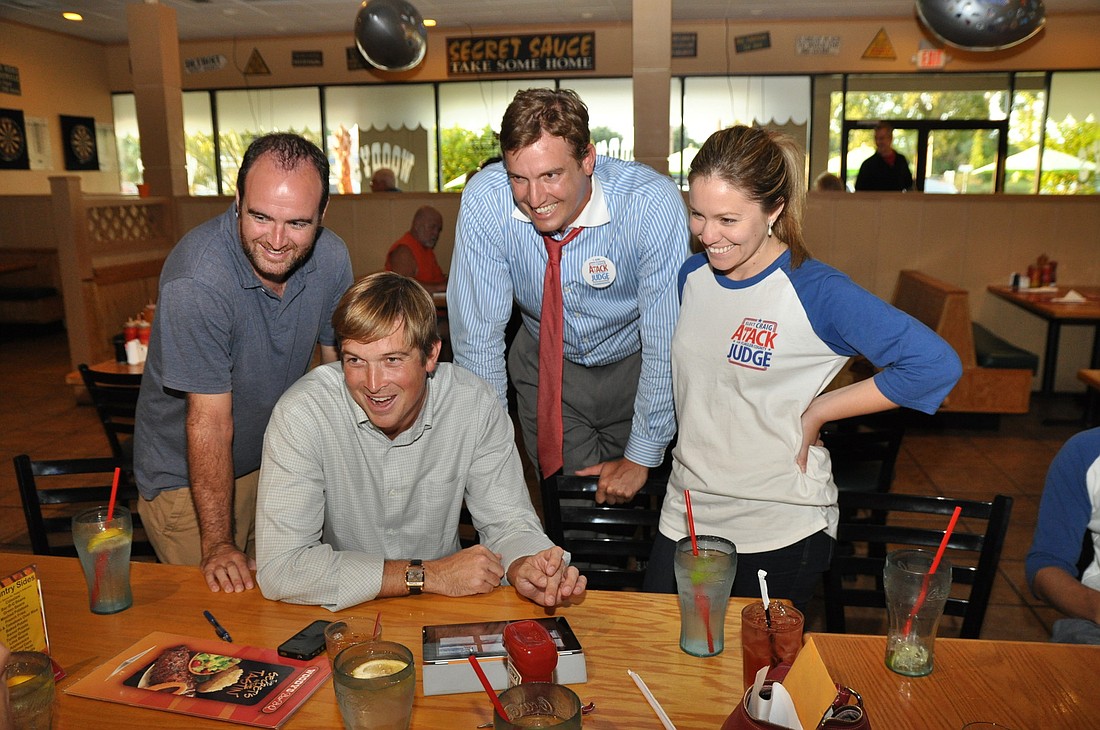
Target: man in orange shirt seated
x=413, y=254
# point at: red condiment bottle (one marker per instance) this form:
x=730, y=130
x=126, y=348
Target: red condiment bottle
x=532, y=655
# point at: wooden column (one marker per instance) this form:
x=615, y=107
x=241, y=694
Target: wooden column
x=158, y=94
x=652, y=51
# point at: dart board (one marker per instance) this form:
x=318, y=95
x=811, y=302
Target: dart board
x=82, y=143
x=12, y=142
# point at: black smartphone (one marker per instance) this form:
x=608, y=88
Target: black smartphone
x=307, y=643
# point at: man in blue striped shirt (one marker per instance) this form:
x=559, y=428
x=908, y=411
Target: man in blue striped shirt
x=618, y=279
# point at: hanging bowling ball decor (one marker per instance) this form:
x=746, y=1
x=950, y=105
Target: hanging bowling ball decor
x=391, y=34
x=982, y=25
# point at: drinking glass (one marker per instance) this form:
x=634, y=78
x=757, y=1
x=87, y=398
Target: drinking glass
x=539, y=704
x=342, y=633
x=104, y=550
x=704, y=582
x=764, y=644
x=375, y=683
x=915, y=599
x=29, y=677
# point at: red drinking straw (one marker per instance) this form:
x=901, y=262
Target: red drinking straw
x=488, y=688
x=377, y=626
x=691, y=523
x=101, y=558
x=114, y=494
x=935, y=564
x=702, y=603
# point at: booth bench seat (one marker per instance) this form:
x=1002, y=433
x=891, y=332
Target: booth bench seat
x=997, y=375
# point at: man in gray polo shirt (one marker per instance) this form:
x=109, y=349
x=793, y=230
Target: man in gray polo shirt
x=244, y=300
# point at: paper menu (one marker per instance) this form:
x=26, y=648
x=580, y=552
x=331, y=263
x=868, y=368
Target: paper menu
x=22, y=617
x=206, y=677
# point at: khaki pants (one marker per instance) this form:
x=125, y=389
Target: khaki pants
x=173, y=527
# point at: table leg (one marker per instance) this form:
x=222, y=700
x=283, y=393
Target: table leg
x=1095, y=362
x=1050, y=359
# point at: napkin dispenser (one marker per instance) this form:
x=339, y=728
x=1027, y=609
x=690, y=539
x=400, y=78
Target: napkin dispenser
x=447, y=670
x=798, y=696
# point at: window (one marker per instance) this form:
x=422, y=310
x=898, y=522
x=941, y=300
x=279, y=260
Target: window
x=128, y=143
x=470, y=113
x=381, y=126
x=245, y=115
x=714, y=103
x=198, y=132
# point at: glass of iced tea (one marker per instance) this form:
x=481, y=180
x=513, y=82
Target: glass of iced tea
x=769, y=643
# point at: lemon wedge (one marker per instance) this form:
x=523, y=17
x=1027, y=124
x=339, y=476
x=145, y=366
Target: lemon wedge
x=375, y=668
x=19, y=679
x=109, y=539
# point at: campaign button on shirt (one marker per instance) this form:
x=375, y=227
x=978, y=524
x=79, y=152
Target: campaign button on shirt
x=598, y=272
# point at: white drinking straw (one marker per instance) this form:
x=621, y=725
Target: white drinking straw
x=761, y=575
x=651, y=700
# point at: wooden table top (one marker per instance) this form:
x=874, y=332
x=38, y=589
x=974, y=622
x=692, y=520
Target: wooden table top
x=107, y=366
x=618, y=631
x=1042, y=302
x=1021, y=685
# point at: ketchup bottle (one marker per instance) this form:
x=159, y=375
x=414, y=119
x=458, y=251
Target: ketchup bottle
x=532, y=655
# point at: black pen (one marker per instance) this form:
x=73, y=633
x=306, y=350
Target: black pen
x=218, y=628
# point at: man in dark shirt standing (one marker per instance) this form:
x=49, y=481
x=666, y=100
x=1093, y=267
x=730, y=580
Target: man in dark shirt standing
x=887, y=169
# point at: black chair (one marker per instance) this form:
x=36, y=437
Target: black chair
x=864, y=451
x=75, y=484
x=905, y=520
x=610, y=544
x=114, y=396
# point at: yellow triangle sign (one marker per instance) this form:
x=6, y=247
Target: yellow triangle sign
x=256, y=64
x=880, y=47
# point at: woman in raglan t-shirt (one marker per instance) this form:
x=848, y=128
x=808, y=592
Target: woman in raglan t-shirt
x=763, y=329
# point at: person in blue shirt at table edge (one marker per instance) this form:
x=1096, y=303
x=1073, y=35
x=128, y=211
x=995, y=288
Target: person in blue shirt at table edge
x=1069, y=514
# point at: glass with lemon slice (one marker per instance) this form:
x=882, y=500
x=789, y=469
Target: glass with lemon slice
x=29, y=679
x=104, y=550
x=375, y=683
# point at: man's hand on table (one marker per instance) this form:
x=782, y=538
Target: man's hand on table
x=545, y=578
x=465, y=573
x=620, y=479
x=227, y=569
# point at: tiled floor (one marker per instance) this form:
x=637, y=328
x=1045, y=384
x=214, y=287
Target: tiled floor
x=40, y=417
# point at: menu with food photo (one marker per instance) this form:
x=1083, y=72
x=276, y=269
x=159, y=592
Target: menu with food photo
x=206, y=678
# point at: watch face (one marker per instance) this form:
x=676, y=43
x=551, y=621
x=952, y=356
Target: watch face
x=414, y=577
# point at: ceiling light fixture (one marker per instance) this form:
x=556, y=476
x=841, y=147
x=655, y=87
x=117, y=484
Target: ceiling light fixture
x=429, y=22
x=72, y=16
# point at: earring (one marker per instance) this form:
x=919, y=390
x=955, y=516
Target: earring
x=770, y=223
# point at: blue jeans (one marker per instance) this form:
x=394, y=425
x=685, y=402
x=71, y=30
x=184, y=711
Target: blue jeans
x=793, y=571
x=1075, y=631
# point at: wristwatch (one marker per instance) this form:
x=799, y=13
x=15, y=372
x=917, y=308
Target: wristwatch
x=414, y=577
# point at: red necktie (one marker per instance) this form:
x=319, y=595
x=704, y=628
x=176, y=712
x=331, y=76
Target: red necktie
x=550, y=359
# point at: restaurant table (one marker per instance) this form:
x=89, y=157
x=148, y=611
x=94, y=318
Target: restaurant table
x=1057, y=314
x=107, y=366
x=617, y=630
x=1020, y=685
x=9, y=267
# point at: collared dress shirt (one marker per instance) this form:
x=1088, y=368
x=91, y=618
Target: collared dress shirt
x=337, y=498
x=637, y=220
